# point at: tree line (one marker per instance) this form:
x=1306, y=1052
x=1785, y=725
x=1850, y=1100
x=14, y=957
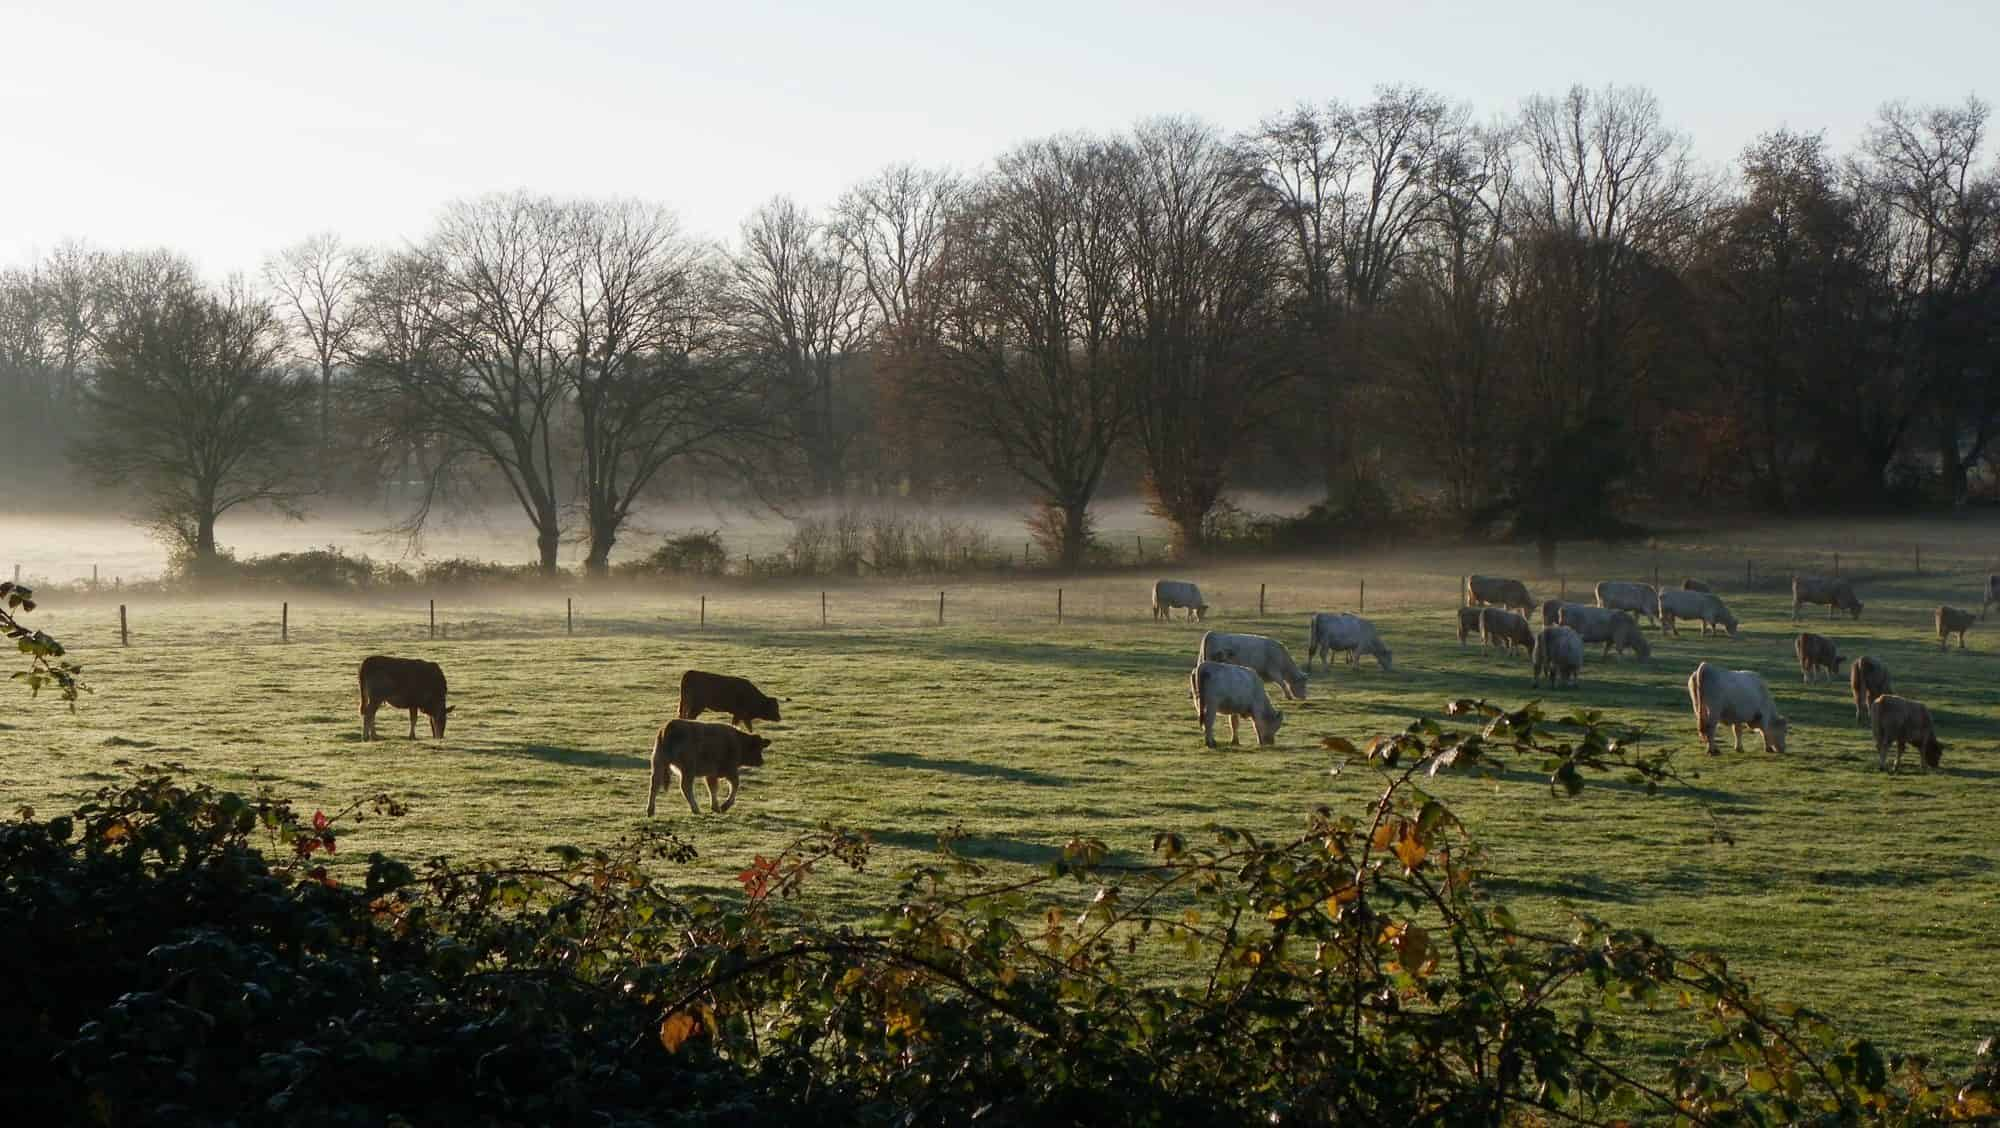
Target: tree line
x=1543, y=324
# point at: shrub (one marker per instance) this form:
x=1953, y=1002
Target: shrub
x=698, y=552
x=459, y=570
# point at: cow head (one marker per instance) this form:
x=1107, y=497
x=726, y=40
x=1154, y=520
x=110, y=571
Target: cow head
x=1381, y=654
x=437, y=715
x=1728, y=622
x=1296, y=684
x=752, y=749
x=1267, y=724
x=1774, y=729
x=1933, y=751
x=1201, y=612
x=767, y=709
x=1853, y=606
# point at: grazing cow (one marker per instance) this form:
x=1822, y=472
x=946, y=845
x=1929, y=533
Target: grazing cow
x=1992, y=594
x=709, y=751
x=1953, y=620
x=1468, y=622
x=1869, y=679
x=703, y=692
x=1701, y=605
x=1267, y=656
x=1612, y=628
x=1623, y=595
x=1169, y=594
x=402, y=683
x=1692, y=584
x=1735, y=698
x=1903, y=722
x=1498, y=591
x=1559, y=654
x=1339, y=631
x=1838, y=595
x=1505, y=628
x=1817, y=654
x=1234, y=691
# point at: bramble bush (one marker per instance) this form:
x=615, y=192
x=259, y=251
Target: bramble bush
x=177, y=954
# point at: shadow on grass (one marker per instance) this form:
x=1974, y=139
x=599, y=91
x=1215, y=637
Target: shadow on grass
x=981, y=847
x=1582, y=887
x=574, y=757
x=963, y=767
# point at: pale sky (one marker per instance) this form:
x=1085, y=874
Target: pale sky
x=227, y=130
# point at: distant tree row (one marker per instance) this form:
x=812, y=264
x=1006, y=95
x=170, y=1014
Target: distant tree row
x=1546, y=324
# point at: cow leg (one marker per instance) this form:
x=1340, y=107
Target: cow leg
x=413, y=724
x=687, y=790
x=1738, y=730
x=735, y=785
x=1232, y=730
x=653, y=787
x=368, y=720
x=714, y=792
x=1208, y=727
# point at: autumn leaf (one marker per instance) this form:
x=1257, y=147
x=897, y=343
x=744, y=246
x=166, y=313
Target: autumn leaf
x=1410, y=851
x=319, y=820
x=116, y=831
x=676, y=1029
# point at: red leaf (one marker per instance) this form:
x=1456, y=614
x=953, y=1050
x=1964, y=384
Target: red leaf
x=319, y=820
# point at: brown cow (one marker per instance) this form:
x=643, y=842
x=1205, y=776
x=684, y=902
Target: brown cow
x=1953, y=620
x=1468, y=622
x=703, y=692
x=1817, y=654
x=1505, y=628
x=712, y=752
x=1869, y=679
x=402, y=683
x=1903, y=722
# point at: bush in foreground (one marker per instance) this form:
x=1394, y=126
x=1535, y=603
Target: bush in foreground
x=164, y=968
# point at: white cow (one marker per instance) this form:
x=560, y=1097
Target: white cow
x=1706, y=607
x=1339, y=631
x=1267, y=656
x=1624, y=595
x=1236, y=691
x=1169, y=594
x=1612, y=628
x=1735, y=698
x=1558, y=654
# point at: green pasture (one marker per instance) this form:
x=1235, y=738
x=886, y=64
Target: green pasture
x=1869, y=897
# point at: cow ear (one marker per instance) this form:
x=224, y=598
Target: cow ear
x=449, y=708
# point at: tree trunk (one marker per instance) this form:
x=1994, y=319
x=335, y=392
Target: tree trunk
x=547, y=541
x=597, y=565
x=1545, y=552
x=1073, y=535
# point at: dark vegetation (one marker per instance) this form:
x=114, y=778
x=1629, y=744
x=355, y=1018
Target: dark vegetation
x=1538, y=327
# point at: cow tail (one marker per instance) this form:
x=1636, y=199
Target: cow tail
x=1197, y=682
x=1701, y=699
x=361, y=677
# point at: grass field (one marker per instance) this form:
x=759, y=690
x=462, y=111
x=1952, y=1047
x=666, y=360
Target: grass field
x=1867, y=896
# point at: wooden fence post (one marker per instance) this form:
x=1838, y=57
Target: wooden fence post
x=1562, y=587
x=1260, y=599
x=1138, y=550
x=1058, y=606
x=569, y=614
x=822, y=609
x=1836, y=563
x=434, y=618
x=1747, y=572
x=704, y=610
x=124, y=636
x=940, y=609
x=285, y=621
x=1920, y=558
x=93, y=577
x=1361, y=602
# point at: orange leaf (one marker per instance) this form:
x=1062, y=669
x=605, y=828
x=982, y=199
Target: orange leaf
x=677, y=1029
x=1410, y=851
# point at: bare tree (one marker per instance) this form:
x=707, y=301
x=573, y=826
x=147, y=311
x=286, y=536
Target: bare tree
x=895, y=226
x=635, y=313
x=1443, y=332
x=189, y=406
x=1033, y=364
x=462, y=334
x=318, y=281
x=1351, y=187
x=1610, y=205
x=798, y=307
x=1923, y=166
x=1205, y=260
